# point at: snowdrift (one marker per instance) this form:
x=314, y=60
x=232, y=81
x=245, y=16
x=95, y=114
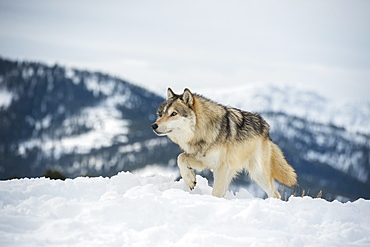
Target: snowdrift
x=132, y=210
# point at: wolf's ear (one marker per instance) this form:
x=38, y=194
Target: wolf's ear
x=187, y=97
x=170, y=93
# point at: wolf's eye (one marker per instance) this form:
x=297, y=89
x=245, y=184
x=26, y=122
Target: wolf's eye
x=173, y=114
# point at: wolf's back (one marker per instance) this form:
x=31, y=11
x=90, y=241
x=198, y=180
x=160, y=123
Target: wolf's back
x=281, y=170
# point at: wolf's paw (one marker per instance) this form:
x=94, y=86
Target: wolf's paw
x=189, y=177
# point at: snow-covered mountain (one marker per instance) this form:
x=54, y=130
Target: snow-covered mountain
x=88, y=123
x=76, y=122
x=352, y=115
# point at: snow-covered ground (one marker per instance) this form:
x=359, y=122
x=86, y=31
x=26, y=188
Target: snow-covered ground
x=133, y=210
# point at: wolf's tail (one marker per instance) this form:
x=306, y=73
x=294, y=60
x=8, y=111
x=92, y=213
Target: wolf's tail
x=281, y=170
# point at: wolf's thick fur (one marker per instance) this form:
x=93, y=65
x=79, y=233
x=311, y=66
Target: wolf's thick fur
x=224, y=139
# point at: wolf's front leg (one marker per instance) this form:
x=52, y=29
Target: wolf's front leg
x=186, y=164
x=222, y=177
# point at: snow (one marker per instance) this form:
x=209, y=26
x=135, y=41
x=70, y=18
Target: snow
x=341, y=157
x=133, y=210
x=349, y=114
x=93, y=84
x=104, y=121
x=5, y=98
x=106, y=126
x=138, y=146
x=70, y=73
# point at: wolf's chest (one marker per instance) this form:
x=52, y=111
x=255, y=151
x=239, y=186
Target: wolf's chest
x=211, y=159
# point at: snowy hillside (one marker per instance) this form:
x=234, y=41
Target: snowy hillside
x=131, y=210
x=349, y=114
x=79, y=123
x=76, y=122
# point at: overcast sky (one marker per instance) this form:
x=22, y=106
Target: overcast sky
x=322, y=45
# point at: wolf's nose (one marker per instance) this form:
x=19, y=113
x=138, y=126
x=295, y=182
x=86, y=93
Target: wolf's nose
x=154, y=126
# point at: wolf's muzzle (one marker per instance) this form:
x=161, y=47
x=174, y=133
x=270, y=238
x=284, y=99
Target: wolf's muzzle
x=154, y=126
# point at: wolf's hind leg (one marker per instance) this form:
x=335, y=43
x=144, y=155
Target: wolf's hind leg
x=186, y=164
x=267, y=184
x=222, y=179
x=264, y=179
x=268, y=187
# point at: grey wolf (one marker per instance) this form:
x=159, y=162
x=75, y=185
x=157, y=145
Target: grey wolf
x=224, y=139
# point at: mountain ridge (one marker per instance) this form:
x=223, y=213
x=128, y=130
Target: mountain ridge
x=346, y=113
x=89, y=123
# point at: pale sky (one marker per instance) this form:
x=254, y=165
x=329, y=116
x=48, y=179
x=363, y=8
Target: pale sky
x=317, y=44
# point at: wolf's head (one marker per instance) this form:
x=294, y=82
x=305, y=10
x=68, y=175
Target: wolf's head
x=176, y=116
